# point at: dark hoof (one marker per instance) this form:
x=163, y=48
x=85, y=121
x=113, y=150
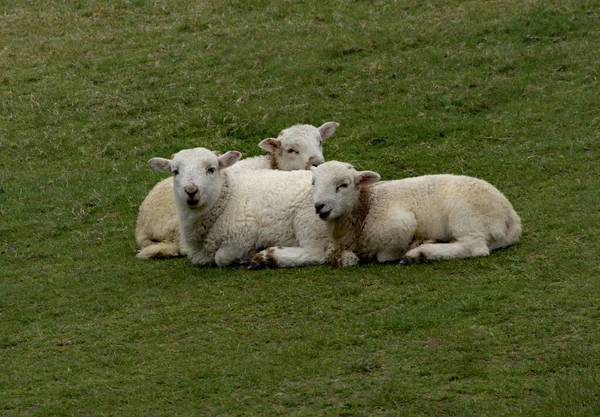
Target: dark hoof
x=252, y=264
x=406, y=261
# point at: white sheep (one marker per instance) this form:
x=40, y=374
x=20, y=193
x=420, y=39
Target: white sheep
x=426, y=218
x=225, y=215
x=297, y=147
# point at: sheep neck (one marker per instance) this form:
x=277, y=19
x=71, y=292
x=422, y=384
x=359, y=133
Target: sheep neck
x=347, y=230
x=273, y=162
x=205, y=219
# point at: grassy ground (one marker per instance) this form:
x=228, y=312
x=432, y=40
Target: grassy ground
x=503, y=90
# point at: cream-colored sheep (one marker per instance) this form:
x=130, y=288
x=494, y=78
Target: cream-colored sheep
x=445, y=216
x=426, y=218
x=296, y=148
x=225, y=215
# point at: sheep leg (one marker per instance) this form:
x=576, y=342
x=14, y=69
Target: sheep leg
x=465, y=247
x=287, y=257
x=387, y=256
x=341, y=257
x=230, y=253
x=159, y=250
x=395, y=235
x=201, y=258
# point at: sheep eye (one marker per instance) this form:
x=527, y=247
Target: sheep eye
x=211, y=170
x=175, y=171
x=341, y=186
x=292, y=151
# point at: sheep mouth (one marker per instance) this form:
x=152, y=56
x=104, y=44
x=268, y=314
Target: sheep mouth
x=192, y=203
x=324, y=214
x=313, y=163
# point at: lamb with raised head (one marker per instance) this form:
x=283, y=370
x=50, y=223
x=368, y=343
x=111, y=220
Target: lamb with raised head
x=426, y=218
x=225, y=215
x=296, y=148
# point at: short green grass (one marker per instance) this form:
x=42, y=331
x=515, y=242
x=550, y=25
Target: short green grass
x=503, y=90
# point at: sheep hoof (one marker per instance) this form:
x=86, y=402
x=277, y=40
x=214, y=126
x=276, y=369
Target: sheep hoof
x=252, y=264
x=406, y=261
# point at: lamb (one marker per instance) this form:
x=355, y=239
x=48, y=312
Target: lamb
x=296, y=148
x=419, y=219
x=226, y=214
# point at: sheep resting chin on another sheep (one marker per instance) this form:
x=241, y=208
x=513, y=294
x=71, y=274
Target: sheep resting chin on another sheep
x=419, y=219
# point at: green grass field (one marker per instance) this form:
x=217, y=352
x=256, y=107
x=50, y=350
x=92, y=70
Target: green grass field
x=508, y=91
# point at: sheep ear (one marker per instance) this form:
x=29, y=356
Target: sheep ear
x=218, y=153
x=328, y=129
x=270, y=144
x=365, y=178
x=229, y=158
x=160, y=164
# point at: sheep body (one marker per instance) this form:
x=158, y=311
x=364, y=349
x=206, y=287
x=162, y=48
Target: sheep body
x=156, y=233
x=243, y=211
x=444, y=216
x=297, y=147
x=426, y=218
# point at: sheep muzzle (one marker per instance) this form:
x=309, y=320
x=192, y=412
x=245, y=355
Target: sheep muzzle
x=192, y=195
x=319, y=209
x=314, y=161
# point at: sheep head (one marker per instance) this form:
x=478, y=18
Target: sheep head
x=197, y=175
x=299, y=147
x=336, y=188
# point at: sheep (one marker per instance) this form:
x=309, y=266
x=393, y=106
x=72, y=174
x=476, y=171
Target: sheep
x=297, y=147
x=225, y=214
x=428, y=218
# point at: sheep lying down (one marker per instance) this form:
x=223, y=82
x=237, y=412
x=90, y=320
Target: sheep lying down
x=296, y=148
x=428, y=218
x=226, y=215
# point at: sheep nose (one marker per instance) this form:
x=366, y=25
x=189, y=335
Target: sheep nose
x=190, y=190
x=319, y=207
x=315, y=161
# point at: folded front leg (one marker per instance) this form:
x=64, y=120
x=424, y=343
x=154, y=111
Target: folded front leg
x=287, y=257
x=465, y=247
x=341, y=257
x=229, y=254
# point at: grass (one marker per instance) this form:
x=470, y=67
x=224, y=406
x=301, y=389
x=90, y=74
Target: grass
x=90, y=90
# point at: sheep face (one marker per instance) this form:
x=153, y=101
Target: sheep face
x=299, y=147
x=336, y=188
x=197, y=175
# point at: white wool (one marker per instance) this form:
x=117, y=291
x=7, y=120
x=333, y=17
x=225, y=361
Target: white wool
x=426, y=218
x=444, y=216
x=225, y=215
x=297, y=147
